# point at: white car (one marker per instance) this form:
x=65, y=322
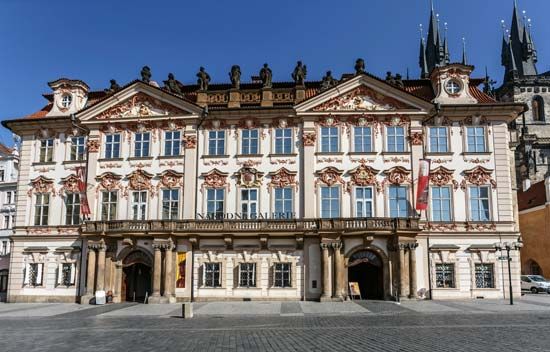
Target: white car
x=535, y=284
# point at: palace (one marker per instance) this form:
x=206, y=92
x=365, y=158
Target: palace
x=266, y=190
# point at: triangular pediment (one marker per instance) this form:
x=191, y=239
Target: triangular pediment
x=364, y=94
x=139, y=101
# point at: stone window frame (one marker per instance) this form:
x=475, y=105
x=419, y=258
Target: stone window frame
x=293, y=192
x=249, y=258
x=148, y=196
x=410, y=207
x=35, y=256
x=292, y=140
x=320, y=139
x=161, y=202
x=486, y=133
x=150, y=140
x=240, y=138
x=385, y=136
x=452, y=190
x=101, y=204
x=427, y=133
x=469, y=205
x=238, y=205
x=353, y=199
x=39, y=149
x=352, y=148
x=35, y=204
x=444, y=255
x=280, y=257
x=484, y=256
x=69, y=146
x=163, y=142
x=212, y=257
x=341, y=191
x=225, y=142
x=104, y=145
x=67, y=255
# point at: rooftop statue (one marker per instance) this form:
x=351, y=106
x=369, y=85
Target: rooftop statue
x=172, y=85
x=204, y=79
x=146, y=74
x=266, y=76
x=235, y=76
x=299, y=74
x=359, y=66
x=389, y=78
x=399, y=81
x=113, y=87
x=328, y=81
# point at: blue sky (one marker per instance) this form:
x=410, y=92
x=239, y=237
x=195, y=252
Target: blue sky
x=102, y=39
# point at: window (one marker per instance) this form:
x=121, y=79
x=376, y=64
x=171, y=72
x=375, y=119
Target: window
x=329, y=139
x=479, y=203
x=216, y=142
x=41, y=209
x=9, y=197
x=6, y=222
x=283, y=140
x=438, y=140
x=214, y=203
x=2, y=175
x=399, y=206
x=72, y=208
x=281, y=275
x=363, y=202
x=46, y=150
x=66, y=274
x=476, y=140
x=249, y=142
x=396, y=139
x=108, y=205
x=249, y=203
x=330, y=202
x=3, y=280
x=212, y=275
x=141, y=145
x=453, y=87
x=445, y=275
x=170, y=203
x=441, y=203
x=112, y=146
x=247, y=275
x=139, y=205
x=484, y=276
x=283, y=203
x=172, y=143
x=66, y=101
x=362, y=139
x=78, y=148
x=33, y=274
x=5, y=248
x=537, y=106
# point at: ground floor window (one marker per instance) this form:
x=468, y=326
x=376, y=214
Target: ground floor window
x=281, y=275
x=212, y=275
x=445, y=275
x=247, y=275
x=3, y=280
x=66, y=274
x=484, y=276
x=33, y=274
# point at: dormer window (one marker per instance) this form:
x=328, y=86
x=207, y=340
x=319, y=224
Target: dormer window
x=66, y=101
x=453, y=87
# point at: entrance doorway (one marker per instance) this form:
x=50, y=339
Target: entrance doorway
x=365, y=268
x=136, y=277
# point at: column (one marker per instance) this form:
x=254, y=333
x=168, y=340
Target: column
x=156, y=271
x=101, y=267
x=91, y=272
x=168, y=280
x=339, y=270
x=412, y=269
x=326, y=269
x=403, y=282
x=190, y=174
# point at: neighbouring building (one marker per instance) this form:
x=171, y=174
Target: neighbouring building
x=9, y=166
x=265, y=190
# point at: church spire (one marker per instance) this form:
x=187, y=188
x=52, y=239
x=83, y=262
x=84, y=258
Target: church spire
x=464, y=58
x=422, y=56
x=436, y=52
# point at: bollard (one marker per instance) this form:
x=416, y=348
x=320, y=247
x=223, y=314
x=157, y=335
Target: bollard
x=187, y=310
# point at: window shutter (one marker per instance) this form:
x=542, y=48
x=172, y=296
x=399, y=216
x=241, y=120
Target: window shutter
x=73, y=273
x=271, y=276
x=201, y=275
x=59, y=273
x=26, y=274
x=39, y=274
x=236, y=276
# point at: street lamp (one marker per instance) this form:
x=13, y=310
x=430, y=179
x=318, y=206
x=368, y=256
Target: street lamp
x=509, y=247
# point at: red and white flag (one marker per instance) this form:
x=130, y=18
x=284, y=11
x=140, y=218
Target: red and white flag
x=84, y=207
x=422, y=193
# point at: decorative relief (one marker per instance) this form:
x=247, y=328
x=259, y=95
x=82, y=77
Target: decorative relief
x=190, y=141
x=215, y=179
x=44, y=133
x=93, y=145
x=397, y=175
x=477, y=161
x=282, y=161
x=215, y=162
x=140, y=105
x=248, y=177
x=42, y=184
x=329, y=160
x=172, y=125
x=440, y=161
x=396, y=159
x=329, y=121
x=108, y=181
x=282, y=122
x=139, y=180
x=362, y=160
x=308, y=139
x=329, y=176
x=170, y=179
x=249, y=163
x=363, y=121
x=70, y=184
x=360, y=99
x=170, y=163
x=478, y=176
x=433, y=226
x=396, y=120
x=442, y=176
x=215, y=124
x=364, y=175
x=282, y=178
x=248, y=123
x=480, y=227
x=416, y=138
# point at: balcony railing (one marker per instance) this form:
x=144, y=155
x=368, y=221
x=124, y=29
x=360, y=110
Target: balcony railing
x=344, y=225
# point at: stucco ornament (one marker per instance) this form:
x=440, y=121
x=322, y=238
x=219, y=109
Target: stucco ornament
x=330, y=176
x=109, y=181
x=190, y=141
x=309, y=138
x=140, y=180
x=171, y=179
x=363, y=175
x=397, y=175
x=93, y=146
x=442, y=176
x=70, y=184
x=361, y=99
x=215, y=179
x=282, y=178
x=42, y=184
x=416, y=138
x=249, y=177
x=478, y=176
x=140, y=105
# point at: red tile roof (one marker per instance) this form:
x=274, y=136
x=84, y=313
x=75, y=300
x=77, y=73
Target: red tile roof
x=533, y=197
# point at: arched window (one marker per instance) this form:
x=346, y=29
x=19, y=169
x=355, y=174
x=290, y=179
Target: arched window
x=537, y=105
x=534, y=268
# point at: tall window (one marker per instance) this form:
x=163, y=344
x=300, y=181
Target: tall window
x=72, y=209
x=212, y=275
x=3, y=280
x=7, y=224
x=33, y=274
x=109, y=201
x=441, y=203
x=112, y=146
x=475, y=140
x=329, y=139
x=479, y=203
x=9, y=197
x=363, y=202
x=362, y=139
x=249, y=203
x=438, y=140
x=283, y=203
x=281, y=275
x=537, y=106
x=141, y=145
x=139, y=205
x=46, y=150
x=172, y=143
x=247, y=275
x=399, y=206
x=170, y=203
x=78, y=148
x=2, y=175
x=330, y=202
x=41, y=209
x=484, y=276
x=215, y=202
x=66, y=274
x=283, y=140
x=396, y=139
x=216, y=142
x=249, y=142
x=445, y=275
x=5, y=248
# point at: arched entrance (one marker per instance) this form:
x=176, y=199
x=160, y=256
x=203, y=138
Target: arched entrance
x=366, y=268
x=136, y=276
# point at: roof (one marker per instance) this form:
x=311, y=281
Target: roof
x=533, y=197
x=5, y=150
